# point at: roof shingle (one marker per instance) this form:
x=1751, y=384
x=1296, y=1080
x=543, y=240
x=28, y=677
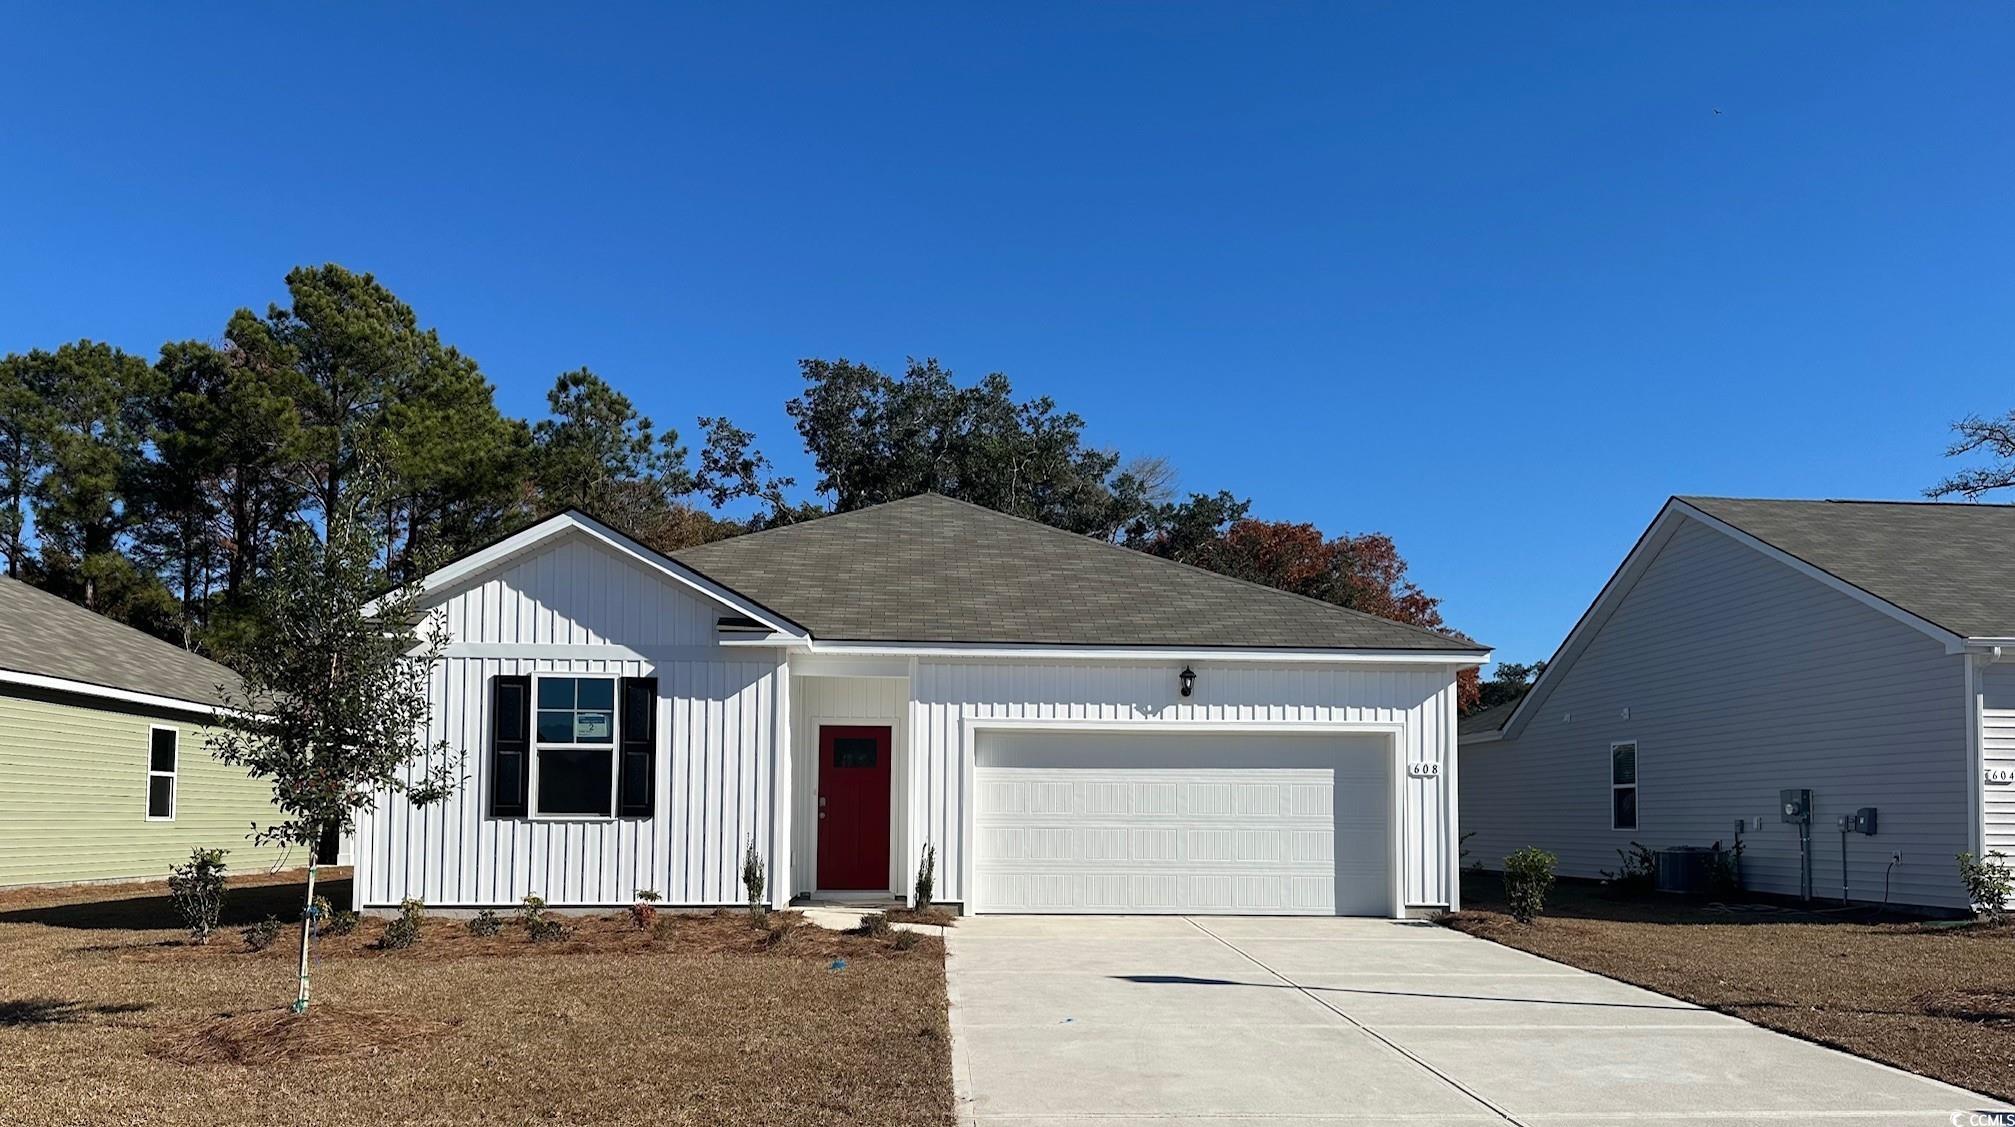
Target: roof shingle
x=1950, y=564
x=49, y=636
x=929, y=569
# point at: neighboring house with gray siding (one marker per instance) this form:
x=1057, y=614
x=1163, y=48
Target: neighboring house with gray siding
x=104, y=772
x=1864, y=651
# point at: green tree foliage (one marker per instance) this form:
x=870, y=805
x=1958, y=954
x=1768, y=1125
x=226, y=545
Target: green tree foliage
x=372, y=386
x=335, y=704
x=24, y=434
x=1510, y=681
x=93, y=426
x=877, y=438
x=599, y=454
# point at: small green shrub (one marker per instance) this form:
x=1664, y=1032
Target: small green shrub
x=753, y=880
x=261, y=935
x=1724, y=870
x=485, y=923
x=905, y=939
x=548, y=930
x=320, y=910
x=927, y=875
x=645, y=911
x=876, y=925
x=1990, y=882
x=341, y=922
x=531, y=911
x=1528, y=877
x=197, y=891
x=1638, y=873
x=403, y=932
x=759, y=917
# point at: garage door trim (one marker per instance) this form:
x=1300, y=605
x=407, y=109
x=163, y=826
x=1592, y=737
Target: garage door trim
x=972, y=727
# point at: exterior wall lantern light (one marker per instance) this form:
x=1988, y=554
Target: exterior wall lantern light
x=1188, y=679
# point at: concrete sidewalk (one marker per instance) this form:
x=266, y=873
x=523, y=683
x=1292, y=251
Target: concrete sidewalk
x=1138, y=1020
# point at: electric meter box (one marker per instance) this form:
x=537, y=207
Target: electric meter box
x=1795, y=805
x=1864, y=820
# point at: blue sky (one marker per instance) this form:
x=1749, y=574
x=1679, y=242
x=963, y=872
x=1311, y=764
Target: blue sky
x=1495, y=281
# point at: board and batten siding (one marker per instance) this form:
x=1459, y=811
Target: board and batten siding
x=1741, y=676
x=948, y=695
x=1997, y=740
x=73, y=797
x=718, y=720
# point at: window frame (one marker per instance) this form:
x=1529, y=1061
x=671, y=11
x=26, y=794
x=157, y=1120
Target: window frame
x=539, y=746
x=1636, y=777
x=174, y=777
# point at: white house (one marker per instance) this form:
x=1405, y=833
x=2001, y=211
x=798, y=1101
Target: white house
x=1861, y=651
x=1075, y=727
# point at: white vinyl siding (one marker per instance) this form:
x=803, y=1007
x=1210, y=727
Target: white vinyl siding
x=1997, y=737
x=1746, y=677
x=717, y=722
x=950, y=694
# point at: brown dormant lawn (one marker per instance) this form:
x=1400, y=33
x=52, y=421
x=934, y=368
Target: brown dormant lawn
x=702, y=1020
x=1936, y=998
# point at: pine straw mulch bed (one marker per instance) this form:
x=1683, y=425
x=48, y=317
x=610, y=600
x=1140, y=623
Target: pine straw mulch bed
x=933, y=916
x=704, y=1019
x=1933, y=997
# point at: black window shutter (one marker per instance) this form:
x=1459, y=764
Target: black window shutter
x=510, y=744
x=638, y=775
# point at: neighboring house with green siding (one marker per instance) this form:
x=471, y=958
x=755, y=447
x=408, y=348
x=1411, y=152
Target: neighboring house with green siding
x=104, y=771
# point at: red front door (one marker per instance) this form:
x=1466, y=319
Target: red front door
x=853, y=809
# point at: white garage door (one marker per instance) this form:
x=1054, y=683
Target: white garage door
x=1204, y=824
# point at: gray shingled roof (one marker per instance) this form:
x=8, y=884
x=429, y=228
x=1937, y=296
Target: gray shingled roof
x=53, y=637
x=931, y=569
x=1951, y=564
x=1486, y=721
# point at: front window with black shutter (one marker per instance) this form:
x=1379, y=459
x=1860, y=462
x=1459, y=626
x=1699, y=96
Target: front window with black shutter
x=574, y=747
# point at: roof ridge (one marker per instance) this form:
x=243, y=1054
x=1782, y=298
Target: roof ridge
x=745, y=537
x=1204, y=571
x=1925, y=503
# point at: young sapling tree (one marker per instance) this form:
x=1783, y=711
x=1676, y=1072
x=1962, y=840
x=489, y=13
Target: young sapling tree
x=334, y=708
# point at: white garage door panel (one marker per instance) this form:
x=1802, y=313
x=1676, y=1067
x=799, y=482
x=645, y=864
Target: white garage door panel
x=1107, y=836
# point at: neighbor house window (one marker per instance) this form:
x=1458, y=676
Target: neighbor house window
x=574, y=747
x=1623, y=786
x=161, y=775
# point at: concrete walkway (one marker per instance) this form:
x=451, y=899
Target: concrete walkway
x=1118, y=1021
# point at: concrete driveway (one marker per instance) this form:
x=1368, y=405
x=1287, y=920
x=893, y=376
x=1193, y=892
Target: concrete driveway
x=1240, y=1021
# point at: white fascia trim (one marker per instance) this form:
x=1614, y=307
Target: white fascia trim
x=87, y=689
x=1953, y=642
x=445, y=578
x=1452, y=659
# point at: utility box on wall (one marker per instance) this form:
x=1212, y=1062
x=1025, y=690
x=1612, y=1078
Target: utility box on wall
x=1795, y=805
x=1864, y=820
